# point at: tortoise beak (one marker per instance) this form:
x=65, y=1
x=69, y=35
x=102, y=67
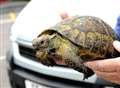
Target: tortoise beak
x=35, y=43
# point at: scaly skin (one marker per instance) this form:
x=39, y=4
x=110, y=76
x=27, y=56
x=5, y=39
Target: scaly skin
x=57, y=46
x=60, y=51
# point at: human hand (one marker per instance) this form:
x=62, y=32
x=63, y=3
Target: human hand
x=108, y=69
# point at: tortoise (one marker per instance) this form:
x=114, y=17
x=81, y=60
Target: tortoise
x=74, y=41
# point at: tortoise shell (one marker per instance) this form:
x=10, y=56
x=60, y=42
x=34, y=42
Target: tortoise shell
x=89, y=33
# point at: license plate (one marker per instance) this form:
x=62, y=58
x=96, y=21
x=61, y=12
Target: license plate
x=31, y=84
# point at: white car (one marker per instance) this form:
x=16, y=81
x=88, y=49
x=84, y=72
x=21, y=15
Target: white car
x=38, y=15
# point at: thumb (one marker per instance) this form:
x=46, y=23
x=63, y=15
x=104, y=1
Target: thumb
x=64, y=15
x=116, y=45
x=106, y=65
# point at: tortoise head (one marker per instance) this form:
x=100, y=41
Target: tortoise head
x=46, y=45
x=41, y=46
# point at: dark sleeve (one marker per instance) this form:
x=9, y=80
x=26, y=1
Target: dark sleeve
x=117, y=28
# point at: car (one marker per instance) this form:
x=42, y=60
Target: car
x=24, y=70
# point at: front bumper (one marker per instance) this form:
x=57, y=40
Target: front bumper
x=19, y=76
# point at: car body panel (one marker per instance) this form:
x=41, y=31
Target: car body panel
x=39, y=15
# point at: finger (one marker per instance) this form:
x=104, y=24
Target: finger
x=108, y=65
x=113, y=77
x=116, y=44
x=64, y=15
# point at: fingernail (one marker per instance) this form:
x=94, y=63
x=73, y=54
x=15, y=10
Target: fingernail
x=116, y=44
x=93, y=64
x=88, y=64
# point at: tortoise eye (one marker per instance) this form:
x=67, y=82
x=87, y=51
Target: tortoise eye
x=42, y=42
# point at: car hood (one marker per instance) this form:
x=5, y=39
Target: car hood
x=39, y=15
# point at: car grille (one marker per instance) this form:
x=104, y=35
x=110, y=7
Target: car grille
x=27, y=52
x=30, y=54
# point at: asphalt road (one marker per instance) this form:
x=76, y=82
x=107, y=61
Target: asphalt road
x=4, y=46
x=4, y=80
x=4, y=36
x=6, y=20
